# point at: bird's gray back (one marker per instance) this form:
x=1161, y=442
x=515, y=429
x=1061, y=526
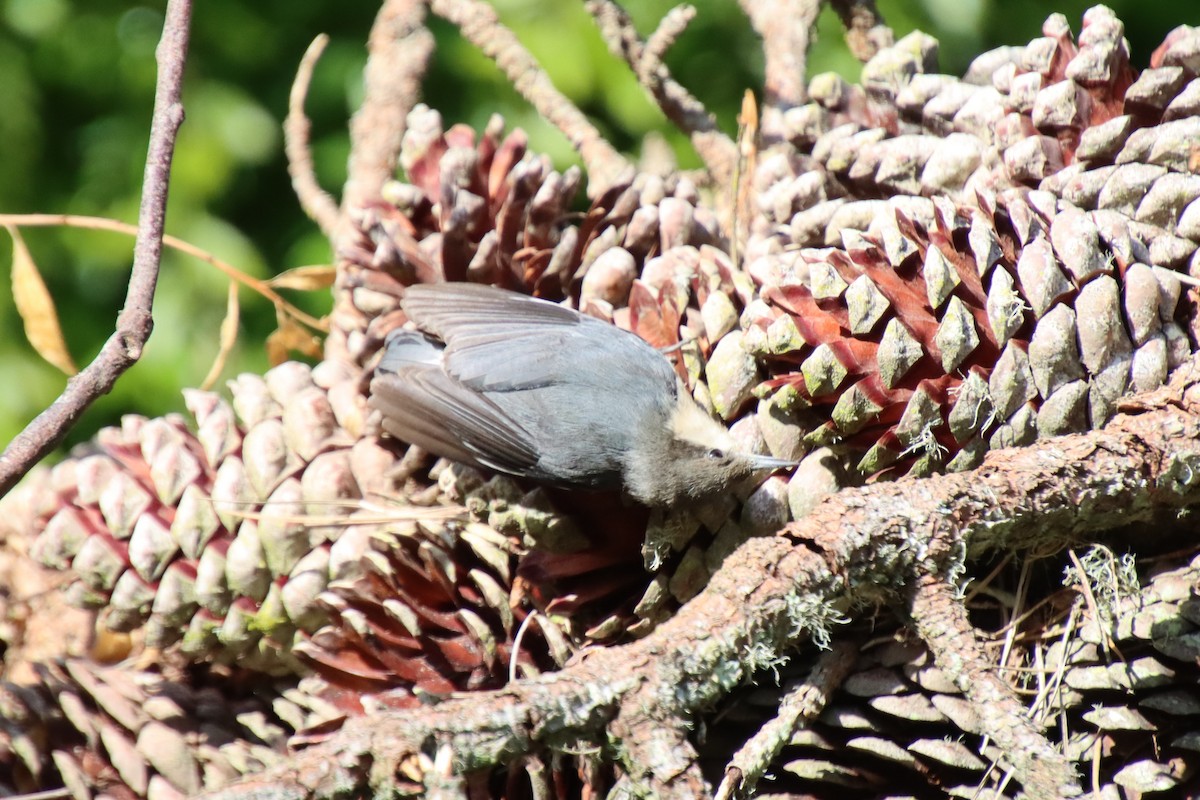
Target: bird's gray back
x=579, y=387
x=500, y=341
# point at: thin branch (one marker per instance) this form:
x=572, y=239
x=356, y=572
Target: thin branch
x=858, y=548
x=669, y=29
x=134, y=323
x=800, y=703
x=49, y=794
x=786, y=30
x=717, y=150
x=941, y=620
x=317, y=203
x=400, y=47
x=479, y=25
x=659, y=759
x=175, y=243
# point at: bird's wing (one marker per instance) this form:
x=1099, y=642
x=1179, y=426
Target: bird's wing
x=405, y=348
x=443, y=308
x=424, y=406
x=501, y=341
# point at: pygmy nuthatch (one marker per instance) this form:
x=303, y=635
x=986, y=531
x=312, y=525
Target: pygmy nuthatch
x=527, y=387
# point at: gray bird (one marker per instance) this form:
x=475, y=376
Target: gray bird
x=508, y=382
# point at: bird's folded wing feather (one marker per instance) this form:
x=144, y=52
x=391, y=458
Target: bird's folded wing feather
x=424, y=406
x=445, y=308
x=500, y=341
x=405, y=348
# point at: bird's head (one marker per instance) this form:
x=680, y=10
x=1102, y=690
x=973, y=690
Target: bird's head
x=690, y=457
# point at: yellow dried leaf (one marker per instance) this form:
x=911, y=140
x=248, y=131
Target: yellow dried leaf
x=748, y=124
x=229, y=332
x=110, y=647
x=305, y=279
x=290, y=337
x=36, y=307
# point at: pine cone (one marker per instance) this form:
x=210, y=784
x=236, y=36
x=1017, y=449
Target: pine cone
x=117, y=732
x=489, y=212
x=938, y=330
x=271, y=533
x=1110, y=677
x=989, y=328
x=204, y=537
x=433, y=608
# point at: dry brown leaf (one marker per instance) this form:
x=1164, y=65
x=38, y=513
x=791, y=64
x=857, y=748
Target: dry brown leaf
x=36, y=307
x=229, y=332
x=744, y=170
x=290, y=337
x=110, y=647
x=305, y=279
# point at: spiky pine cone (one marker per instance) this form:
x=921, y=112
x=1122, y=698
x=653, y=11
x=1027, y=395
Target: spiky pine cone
x=240, y=542
x=934, y=329
x=224, y=540
x=431, y=610
x=200, y=536
x=119, y=732
x=488, y=211
x=1109, y=672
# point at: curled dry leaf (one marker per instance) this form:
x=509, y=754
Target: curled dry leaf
x=229, y=332
x=306, y=279
x=291, y=337
x=36, y=307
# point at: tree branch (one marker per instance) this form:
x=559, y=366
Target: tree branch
x=717, y=150
x=399, y=48
x=480, y=26
x=799, y=704
x=941, y=621
x=317, y=203
x=859, y=548
x=134, y=323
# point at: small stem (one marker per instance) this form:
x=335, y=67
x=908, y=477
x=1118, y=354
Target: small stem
x=105, y=224
x=134, y=323
x=316, y=202
x=479, y=25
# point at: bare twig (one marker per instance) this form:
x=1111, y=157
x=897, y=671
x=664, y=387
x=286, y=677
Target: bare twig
x=400, y=47
x=866, y=32
x=480, y=26
x=1085, y=585
x=717, y=150
x=859, y=547
x=316, y=202
x=786, y=30
x=104, y=224
x=49, y=794
x=134, y=323
x=941, y=620
x=802, y=702
x=669, y=29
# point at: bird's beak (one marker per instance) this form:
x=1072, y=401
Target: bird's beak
x=758, y=462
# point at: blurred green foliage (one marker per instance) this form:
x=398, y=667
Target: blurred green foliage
x=77, y=91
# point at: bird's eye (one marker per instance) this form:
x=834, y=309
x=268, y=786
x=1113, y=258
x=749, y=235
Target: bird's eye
x=716, y=452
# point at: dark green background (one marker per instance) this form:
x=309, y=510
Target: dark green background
x=76, y=90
